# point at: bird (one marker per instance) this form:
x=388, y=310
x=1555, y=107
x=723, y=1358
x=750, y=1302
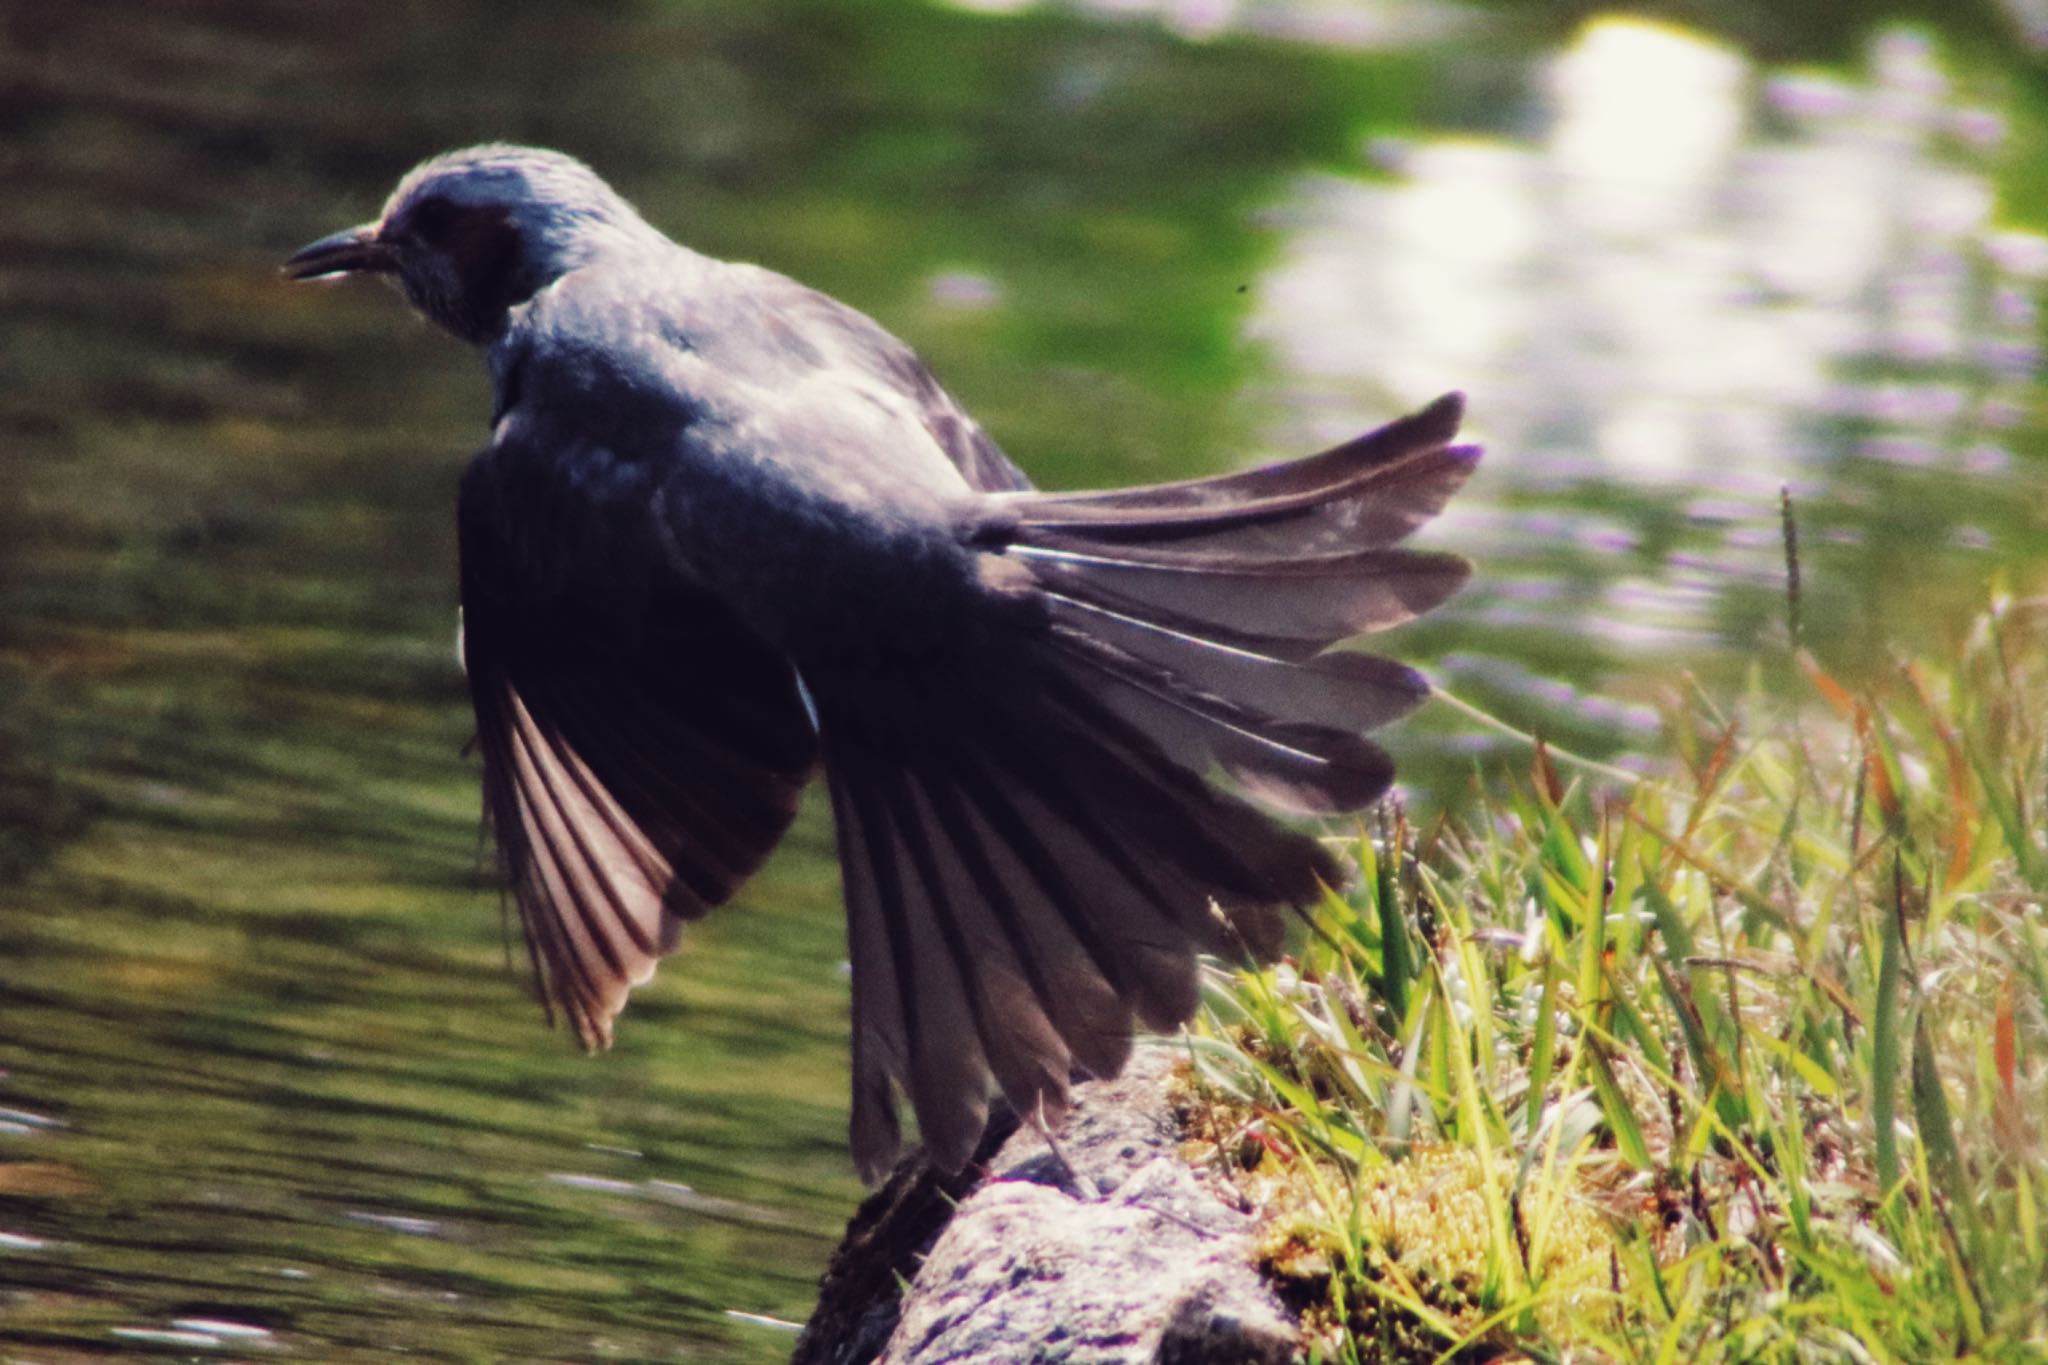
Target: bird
x=727, y=532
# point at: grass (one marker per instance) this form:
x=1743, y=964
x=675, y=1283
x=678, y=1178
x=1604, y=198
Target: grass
x=1744, y=1062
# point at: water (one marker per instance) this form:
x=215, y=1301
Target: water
x=270, y=1086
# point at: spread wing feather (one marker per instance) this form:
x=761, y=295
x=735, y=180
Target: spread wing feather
x=1371, y=491
x=1009, y=919
x=633, y=778
x=1033, y=845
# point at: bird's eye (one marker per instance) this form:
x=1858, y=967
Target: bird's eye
x=431, y=218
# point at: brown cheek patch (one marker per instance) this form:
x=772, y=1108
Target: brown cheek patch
x=485, y=248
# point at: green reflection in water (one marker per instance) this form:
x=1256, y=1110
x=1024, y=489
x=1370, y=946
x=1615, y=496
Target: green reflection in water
x=264, y=1058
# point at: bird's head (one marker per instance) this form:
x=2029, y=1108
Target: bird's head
x=470, y=235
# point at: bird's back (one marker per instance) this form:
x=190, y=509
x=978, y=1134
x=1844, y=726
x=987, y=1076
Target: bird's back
x=771, y=443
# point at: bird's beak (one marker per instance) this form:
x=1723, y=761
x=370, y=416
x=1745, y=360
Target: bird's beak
x=357, y=249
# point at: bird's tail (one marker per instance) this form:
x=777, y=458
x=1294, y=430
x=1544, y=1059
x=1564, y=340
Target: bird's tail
x=1035, y=852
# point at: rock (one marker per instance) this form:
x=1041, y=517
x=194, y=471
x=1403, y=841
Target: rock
x=1156, y=1266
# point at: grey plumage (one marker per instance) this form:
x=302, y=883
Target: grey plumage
x=727, y=528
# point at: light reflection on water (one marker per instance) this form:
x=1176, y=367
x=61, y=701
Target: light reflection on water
x=1696, y=281
x=1327, y=23
x=269, y=1086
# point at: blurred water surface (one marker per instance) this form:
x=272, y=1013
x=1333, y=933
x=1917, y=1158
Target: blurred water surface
x=270, y=1087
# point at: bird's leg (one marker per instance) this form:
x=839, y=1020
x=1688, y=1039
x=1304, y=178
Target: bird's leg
x=1089, y=1191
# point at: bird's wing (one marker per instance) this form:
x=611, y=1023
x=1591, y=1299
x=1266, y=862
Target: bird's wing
x=1033, y=847
x=871, y=348
x=979, y=458
x=633, y=777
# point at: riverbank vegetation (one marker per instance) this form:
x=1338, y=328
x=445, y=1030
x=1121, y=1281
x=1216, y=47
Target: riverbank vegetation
x=1745, y=1060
